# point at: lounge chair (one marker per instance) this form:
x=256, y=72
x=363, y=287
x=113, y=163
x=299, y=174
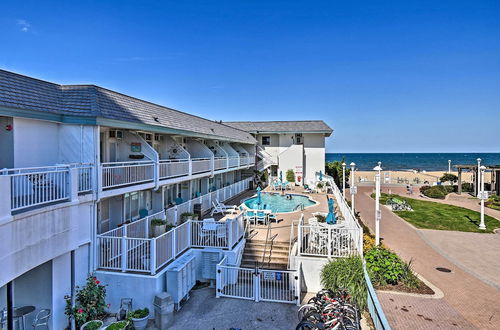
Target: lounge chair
x=234, y=208
x=222, y=209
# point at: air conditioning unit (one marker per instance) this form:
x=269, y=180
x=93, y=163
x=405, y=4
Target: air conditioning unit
x=116, y=134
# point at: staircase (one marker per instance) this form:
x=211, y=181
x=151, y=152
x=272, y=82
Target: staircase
x=276, y=254
x=266, y=159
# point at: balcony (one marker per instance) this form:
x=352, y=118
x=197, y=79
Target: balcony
x=28, y=188
x=174, y=168
x=118, y=174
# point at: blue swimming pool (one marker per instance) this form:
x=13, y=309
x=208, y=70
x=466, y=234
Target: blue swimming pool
x=278, y=203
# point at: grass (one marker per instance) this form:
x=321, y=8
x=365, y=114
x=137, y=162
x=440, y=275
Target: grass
x=432, y=215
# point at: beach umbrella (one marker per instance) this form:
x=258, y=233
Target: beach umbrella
x=330, y=217
x=320, y=175
x=259, y=201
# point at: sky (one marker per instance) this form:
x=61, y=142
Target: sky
x=387, y=76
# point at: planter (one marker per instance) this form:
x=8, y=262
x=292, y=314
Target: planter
x=140, y=324
x=92, y=325
x=159, y=230
x=117, y=325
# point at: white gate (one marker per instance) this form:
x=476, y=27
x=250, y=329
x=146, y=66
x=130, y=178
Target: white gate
x=257, y=284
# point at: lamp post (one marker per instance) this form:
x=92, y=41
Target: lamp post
x=343, y=179
x=478, y=177
x=378, y=214
x=482, y=196
x=353, y=188
x=449, y=165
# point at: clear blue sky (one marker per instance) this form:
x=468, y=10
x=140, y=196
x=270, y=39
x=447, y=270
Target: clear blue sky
x=421, y=76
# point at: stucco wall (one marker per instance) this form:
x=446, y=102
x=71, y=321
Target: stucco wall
x=6, y=143
x=290, y=158
x=314, y=151
x=36, y=143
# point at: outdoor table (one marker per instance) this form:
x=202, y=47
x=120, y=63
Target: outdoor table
x=21, y=312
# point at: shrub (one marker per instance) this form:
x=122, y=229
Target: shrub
x=93, y=325
x=89, y=303
x=158, y=222
x=409, y=278
x=334, y=169
x=186, y=215
x=290, y=176
x=320, y=217
x=467, y=187
x=436, y=192
x=346, y=273
x=449, y=189
x=384, y=266
x=449, y=177
x=117, y=325
x=319, y=185
x=423, y=189
x=368, y=243
x=139, y=313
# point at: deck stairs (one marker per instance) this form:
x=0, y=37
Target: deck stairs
x=272, y=256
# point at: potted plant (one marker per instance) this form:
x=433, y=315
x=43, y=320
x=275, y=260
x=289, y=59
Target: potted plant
x=159, y=227
x=117, y=325
x=92, y=325
x=186, y=216
x=319, y=186
x=139, y=318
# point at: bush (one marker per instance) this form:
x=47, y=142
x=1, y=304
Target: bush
x=117, y=325
x=467, y=187
x=424, y=188
x=346, y=273
x=89, y=303
x=186, y=215
x=320, y=218
x=139, y=313
x=368, y=243
x=449, y=177
x=436, y=192
x=290, y=176
x=385, y=267
x=158, y=222
x=449, y=189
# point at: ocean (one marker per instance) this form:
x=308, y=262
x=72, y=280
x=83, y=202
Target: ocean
x=409, y=161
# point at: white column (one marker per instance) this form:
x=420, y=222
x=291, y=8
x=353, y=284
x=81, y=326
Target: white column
x=73, y=184
x=478, y=177
x=483, y=197
x=449, y=166
x=353, y=188
x=377, y=204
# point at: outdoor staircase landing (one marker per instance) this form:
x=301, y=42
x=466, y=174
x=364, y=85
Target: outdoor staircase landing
x=276, y=254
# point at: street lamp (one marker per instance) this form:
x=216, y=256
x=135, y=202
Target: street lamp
x=343, y=179
x=449, y=165
x=353, y=187
x=478, y=177
x=378, y=214
x=482, y=196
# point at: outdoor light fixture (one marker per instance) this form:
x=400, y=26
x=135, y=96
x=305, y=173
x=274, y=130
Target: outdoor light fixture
x=343, y=179
x=378, y=214
x=483, y=195
x=353, y=188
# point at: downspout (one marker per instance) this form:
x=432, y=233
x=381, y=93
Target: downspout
x=73, y=298
x=10, y=307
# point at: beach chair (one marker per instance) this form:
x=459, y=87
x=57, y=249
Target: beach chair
x=233, y=208
x=250, y=216
x=222, y=209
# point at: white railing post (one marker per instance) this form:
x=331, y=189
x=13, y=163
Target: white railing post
x=299, y=238
x=190, y=166
x=256, y=284
x=217, y=281
x=124, y=250
x=146, y=227
x=329, y=242
x=175, y=215
x=229, y=229
x=190, y=225
x=212, y=165
x=73, y=184
x=5, y=197
x=152, y=257
x=174, y=244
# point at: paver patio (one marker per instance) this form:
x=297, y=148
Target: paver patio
x=468, y=302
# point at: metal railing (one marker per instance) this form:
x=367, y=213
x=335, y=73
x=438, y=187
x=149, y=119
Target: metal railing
x=37, y=185
x=327, y=241
x=374, y=308
x=233, y=161
x=117, y=174
x=129, y=248
x=220, y=163
x=200, y=165
x=173, y=168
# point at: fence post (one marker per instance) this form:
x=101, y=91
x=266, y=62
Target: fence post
x=190, y=166
x=174, y=238
x=229, y=229
x=329, y=242
x=146, y=228
x=124, y=249
x=256, y=285
x=152, y=257
x=6, y=196
x=190, y=227
x=299, y=238
x=175, y=215
x=297, y=284
x=217, y=281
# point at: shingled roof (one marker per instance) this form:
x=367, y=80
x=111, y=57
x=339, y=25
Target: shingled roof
x=90, y=101
x=297, y=126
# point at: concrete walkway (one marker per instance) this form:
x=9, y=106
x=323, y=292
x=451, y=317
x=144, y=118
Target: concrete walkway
x=468, y=302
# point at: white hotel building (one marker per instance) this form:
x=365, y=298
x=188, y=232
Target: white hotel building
x=84, y=169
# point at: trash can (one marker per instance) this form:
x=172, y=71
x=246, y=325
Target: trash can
x=197, y=210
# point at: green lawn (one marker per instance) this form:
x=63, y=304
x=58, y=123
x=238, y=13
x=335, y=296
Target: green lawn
x=432, y=215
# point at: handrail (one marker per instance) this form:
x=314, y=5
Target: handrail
x=268, y=232
x=141, y=162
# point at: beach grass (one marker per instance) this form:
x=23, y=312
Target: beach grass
x=432, y=215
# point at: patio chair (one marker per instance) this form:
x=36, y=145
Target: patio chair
x=272, y=217
x=232, y=208
x=261, y=217
x=208, y=230
x=42, y=319
x=222, y=209
x=250, y=216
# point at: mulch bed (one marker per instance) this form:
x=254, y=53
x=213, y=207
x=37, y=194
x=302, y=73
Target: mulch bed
x=400, y=287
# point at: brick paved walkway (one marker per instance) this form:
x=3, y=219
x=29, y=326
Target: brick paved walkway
x=467, y=303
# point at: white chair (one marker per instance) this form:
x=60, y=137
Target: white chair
x=232, y=208
x=261, y=216
x=208, y=230
x=42, y=319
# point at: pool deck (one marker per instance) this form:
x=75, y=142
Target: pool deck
x=285, y=220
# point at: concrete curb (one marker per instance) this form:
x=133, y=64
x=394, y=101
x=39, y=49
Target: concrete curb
x=438, y=294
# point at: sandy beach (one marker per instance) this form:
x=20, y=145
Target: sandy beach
x=414, y=177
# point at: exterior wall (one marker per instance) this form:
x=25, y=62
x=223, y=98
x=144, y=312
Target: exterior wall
x=310, y=272
x=36, y=143
x=6, y=143
x=291, y=158
x=34, y=237
x=314, y=155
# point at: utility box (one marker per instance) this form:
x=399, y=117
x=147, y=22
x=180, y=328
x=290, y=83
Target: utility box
x=181, y=277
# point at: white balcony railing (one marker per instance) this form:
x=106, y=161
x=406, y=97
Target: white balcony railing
x=85, y=178
x=220, y=163
x=117, y=174
x=234, y=161
x=174, y=168
x=36, y=186
x=200, y=165
x=117, y=251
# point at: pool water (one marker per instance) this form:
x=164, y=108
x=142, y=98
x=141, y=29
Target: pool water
x=278, y=203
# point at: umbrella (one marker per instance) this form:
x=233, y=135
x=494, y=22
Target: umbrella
x=259, y=201
x=330, y=218
x=320, y=175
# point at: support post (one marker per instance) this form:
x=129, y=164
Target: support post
x=483, y=197
x=124, y=249
x=10, y=307
x=73, y=184
x=459, y=181
x=377, y=204
x=152, y=257
x=5, y=197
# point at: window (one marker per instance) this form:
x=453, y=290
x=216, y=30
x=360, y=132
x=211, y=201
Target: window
x=298, y=138
x=136, y=201
x=266, y=140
